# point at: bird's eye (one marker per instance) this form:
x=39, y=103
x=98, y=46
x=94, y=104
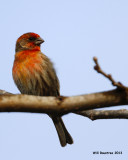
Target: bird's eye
x=32, y=38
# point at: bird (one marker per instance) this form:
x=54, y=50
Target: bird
x=34, y=74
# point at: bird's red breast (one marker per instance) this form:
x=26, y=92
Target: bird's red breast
x=26, y=63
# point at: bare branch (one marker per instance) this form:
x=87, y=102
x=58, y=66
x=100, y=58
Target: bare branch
x=105, y=114
x=62, y=105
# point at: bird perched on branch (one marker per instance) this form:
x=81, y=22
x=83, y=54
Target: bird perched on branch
x=34, y=74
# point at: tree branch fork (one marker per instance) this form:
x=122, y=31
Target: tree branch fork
x=84, y=105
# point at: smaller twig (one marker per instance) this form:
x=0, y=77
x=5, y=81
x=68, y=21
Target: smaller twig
x=105, y=114
x=2, y=92
x=97, y=67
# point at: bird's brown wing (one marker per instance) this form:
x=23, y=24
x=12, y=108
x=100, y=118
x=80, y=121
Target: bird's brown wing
x=54, y=90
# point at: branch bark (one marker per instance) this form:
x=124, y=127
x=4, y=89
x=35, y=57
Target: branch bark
x=62, y=105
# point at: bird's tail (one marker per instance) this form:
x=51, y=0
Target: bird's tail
x=63, y=134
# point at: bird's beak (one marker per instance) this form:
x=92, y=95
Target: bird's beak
x=39, y=41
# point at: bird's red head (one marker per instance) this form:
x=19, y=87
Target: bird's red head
x=28, y=41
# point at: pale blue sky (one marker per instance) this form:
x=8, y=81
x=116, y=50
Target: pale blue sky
x=74, y=31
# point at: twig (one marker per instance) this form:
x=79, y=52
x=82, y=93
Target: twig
x=105, y=114
x=2, y=92
x=97, y=67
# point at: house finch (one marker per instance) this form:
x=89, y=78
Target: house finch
x=34, y=74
